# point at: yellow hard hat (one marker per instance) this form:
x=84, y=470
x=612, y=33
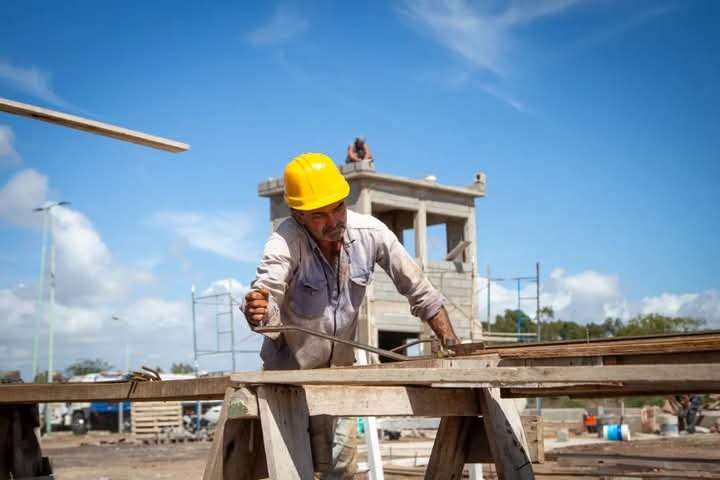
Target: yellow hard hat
x=312, y=180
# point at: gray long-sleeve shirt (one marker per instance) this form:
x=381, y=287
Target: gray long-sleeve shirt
x=307, y=291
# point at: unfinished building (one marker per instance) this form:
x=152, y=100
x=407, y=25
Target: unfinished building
x=409, y=207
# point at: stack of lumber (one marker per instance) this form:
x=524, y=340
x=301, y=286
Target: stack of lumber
x=155, y=421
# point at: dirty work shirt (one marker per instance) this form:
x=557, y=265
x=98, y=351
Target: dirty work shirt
x=305, y=290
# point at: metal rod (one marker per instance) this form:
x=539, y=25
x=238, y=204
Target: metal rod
x=362, y=346
x=410, y=344
x=232, y=326
x=196, y=365
x=538, y=400
x=41, y=299
x=51, y=333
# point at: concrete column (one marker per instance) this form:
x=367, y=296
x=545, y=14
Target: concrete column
x=471, y=256
x=469, y=235
x=364, y=203
x=420, y=226
x=367, y=331
x=455, y=231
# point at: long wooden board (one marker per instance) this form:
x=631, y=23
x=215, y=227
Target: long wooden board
x=92, y=126
x=657, y=344
x=503, y=377
x=210, y=388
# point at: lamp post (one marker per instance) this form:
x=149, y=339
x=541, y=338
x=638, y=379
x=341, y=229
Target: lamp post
x=121, y=426
x=48, y=220
x=36, y=338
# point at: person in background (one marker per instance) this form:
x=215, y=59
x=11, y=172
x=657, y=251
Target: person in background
x=358, y=151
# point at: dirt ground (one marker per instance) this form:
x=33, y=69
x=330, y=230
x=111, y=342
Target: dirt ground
x=99, y=456
x=103, y=456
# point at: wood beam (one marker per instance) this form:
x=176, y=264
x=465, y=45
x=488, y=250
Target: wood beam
x=665, y=375
x=208, y=388
x=91, y=126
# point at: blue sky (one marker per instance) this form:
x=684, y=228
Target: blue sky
x=596, y=123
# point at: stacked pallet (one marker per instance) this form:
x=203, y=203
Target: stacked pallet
x=156, y=421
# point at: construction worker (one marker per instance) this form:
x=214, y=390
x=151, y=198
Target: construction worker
x=358, y=150
x=314, y=272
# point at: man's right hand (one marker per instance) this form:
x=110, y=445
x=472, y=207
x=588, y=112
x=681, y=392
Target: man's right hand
x=256, y=305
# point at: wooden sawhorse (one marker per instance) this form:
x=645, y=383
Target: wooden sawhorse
x=265, y=430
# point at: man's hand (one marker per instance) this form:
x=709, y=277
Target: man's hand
x=256, y=305
x=440, y=324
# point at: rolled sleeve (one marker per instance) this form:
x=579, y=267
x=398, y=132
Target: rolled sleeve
x=409, y=279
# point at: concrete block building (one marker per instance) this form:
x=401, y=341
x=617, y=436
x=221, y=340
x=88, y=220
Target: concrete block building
x=409, y=207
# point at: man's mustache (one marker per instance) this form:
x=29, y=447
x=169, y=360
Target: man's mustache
x=338, y=228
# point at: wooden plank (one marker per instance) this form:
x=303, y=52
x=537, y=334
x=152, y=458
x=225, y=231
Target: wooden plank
x=91, y=126
x=533, y=427
x=665, y=375
x=206, y=388
x=362, y=401
x=505, y=436
x=285, y=424
x=662, y=344
x=624, y=390
x=214, y=464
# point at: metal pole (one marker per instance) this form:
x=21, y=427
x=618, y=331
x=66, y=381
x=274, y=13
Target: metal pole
x=488, y=305
x=51, y=312
x=121, y=405
x=198, y=408
x=537, y=290
x=232, y=326
x=517, y=313
x=40, y=298
x=538, y=400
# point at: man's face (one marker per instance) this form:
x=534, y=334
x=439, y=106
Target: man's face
x=326, y=224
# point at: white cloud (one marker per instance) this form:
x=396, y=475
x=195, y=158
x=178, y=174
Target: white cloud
x=591, y=296
x=482, y=38
x=228, y=234
x=236, y=288
x=85, y=270
x=284, y=24
x=8, y=156
x=93, y=287
x=30, y=80
x=24, y=191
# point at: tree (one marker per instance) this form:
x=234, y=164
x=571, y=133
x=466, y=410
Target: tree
x=42, y=377
x=181, y=368
x=653, y=323
x=83, y=367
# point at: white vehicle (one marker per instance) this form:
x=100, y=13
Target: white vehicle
x=213, y=414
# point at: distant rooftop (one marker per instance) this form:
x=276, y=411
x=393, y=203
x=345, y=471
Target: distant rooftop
x=366, y=170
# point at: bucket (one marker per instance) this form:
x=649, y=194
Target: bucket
x=616, y=432
x=669, y=425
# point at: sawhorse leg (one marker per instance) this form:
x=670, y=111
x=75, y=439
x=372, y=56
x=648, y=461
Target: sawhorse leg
x=237, y=451
x=496, y=438
x=20, y=454
x=285, y=427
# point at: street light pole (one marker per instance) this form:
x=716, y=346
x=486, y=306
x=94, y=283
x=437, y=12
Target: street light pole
x=41, y=287
x=121, y=424
x=40, y=297
x=47, y=209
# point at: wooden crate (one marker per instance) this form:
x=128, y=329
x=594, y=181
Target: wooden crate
x=155, y=421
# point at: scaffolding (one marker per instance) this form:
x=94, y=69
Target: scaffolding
x=223, y=306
